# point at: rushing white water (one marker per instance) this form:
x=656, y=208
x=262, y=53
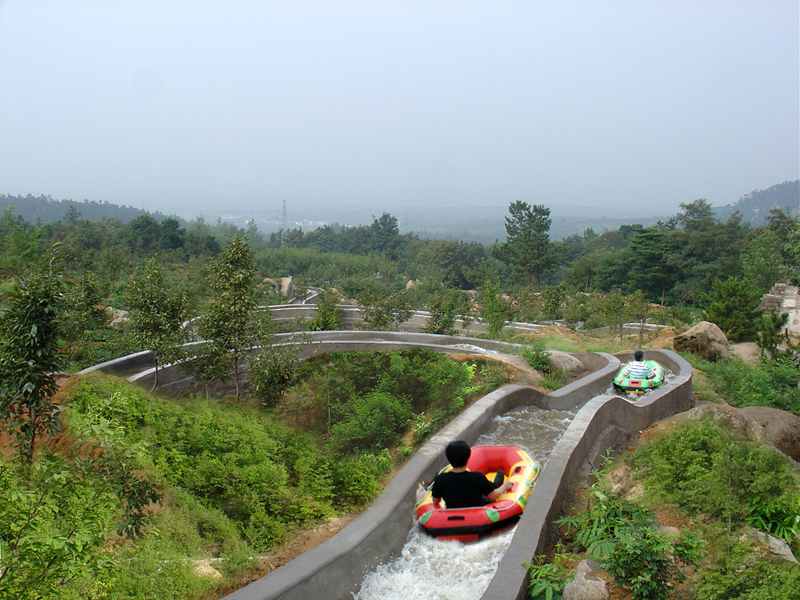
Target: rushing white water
x=451, y=570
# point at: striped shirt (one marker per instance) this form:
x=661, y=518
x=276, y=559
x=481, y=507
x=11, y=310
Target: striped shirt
x=637, y=369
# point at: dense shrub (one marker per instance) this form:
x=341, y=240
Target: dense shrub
x=358, y=478
x=376, y=421
x=231, y=457
x=273, y=371
x=702, y=466
x=737, y=571
x=623, y=536
x=773, y=383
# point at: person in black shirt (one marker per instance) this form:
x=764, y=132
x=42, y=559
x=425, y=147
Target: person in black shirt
x=461, y=488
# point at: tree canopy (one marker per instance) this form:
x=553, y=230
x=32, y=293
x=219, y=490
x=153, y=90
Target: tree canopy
x=527, y=246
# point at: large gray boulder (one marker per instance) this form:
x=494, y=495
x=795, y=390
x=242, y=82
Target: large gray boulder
x=776, y=546
x=561, y=361
x=586, y=586
x=778, y=427
x=705, y=339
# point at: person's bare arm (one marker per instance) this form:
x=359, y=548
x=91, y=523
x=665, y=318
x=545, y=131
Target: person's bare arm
x=436, y=500
x=499, y=491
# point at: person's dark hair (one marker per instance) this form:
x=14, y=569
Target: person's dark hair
x=638, y=355
x=457, y=453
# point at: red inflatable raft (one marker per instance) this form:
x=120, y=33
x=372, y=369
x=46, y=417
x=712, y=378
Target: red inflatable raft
x=470, y=524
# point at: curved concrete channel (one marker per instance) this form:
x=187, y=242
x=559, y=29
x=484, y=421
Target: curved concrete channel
x=335, y=569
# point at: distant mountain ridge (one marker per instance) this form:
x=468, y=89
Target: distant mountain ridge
x=756, y=205
x=45, y=209
x=469, y=224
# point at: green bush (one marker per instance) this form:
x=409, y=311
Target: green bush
x=646, y=561
x=358, y=478
x=376, y=421
x=554, y=380
x=55, y=521
x=702, y=467
x=733, y=305
x=273, y=372
x=154, y=571
x=328, y=315
x=621, y=534
x=594, y=530
x=548, y=579
x=736, y=571
x=772, y=383
x=429, y=382
x=232, y=458
x=537, y=355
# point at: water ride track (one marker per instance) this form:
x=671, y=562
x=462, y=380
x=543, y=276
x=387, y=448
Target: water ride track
x=334, y=569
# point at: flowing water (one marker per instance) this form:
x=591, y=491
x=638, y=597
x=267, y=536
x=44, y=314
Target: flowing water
x=449, y=570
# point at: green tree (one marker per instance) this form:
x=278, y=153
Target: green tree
x=20, y=243
x=528, y=247
x=638, y=310
x=458, y=263
x=646, y=267
x=496, y=311
x=274, y=369
x=553, y=298
x=614, y=309
x=72, y=215
x=704, y=249
x=385, y=235
x=444, y=311
x=329, y=315
x=225, y=324
x=158, y=312
x=762, y=260
x=55, y=524
x=733, y=306
x=172, y=236
x=582, y=272
x=382, y=311
x=792, y=249
x=144, y=234
x=29, y=361
x=771, y=332
x=83, y=321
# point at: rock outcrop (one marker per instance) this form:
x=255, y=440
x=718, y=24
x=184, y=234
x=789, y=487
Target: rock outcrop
x=116, y=316
x=585, y=586
x=778, y=427
x=561, y=361
x=705, y=339
x=776, y=546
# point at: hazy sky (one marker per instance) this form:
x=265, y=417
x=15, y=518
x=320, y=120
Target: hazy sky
x=196, y=106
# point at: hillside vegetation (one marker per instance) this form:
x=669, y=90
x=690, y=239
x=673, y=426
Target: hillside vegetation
x=117, y=493
x=137, y=484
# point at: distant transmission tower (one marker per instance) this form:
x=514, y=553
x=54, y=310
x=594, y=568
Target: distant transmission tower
x=285, y=220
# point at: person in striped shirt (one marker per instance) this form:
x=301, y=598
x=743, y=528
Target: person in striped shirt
x=637, y=368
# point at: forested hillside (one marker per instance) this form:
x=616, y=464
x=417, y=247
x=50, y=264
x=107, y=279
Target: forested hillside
x=755, y=207
x=44, y=209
